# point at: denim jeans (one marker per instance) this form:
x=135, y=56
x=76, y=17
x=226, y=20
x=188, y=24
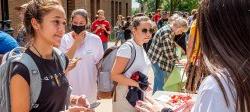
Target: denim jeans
x=105, y=45
x=159, y=77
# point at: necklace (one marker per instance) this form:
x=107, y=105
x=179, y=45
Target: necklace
x=37, y=51
x=46, y=69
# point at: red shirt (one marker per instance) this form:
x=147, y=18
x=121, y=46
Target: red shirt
x=101, y=32
x=156, y=18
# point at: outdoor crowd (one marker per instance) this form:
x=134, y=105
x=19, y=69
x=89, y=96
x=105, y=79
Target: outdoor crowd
x=69, y=72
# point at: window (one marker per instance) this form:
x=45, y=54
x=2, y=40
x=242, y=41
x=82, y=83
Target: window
x=98, y=4
x=116, y=11
x=112, y=13
x=120, y=8
x=126, y=9
x=92, y=10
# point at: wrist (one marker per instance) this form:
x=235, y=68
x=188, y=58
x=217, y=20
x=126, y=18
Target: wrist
x=137, y=85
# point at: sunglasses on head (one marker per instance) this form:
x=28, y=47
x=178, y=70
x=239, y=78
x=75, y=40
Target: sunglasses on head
x=151, y=30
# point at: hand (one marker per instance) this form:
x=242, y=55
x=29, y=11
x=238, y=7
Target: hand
x=149, y=105
x=103, y=27
x=72, y=64
x=82, y=101
x=98, y=27
x=79, y=38
x=79, y=109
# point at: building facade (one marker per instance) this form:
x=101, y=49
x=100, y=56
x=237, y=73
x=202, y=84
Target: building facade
x=112, y=9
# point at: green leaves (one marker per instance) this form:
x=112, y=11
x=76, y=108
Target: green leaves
x=168, y=5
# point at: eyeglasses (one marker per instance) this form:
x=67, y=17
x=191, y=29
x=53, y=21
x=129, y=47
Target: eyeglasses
x=151, y=30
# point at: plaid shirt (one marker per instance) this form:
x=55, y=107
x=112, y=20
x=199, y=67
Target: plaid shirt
x=162, y=49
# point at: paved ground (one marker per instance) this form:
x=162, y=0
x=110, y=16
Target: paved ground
x=106, y=104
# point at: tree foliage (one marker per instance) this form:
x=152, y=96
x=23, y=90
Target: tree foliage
x=180, y=5
x=169, y=5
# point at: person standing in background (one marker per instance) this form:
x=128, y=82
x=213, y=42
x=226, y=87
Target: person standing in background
x=102, y=28
x=141, y=33
x=157, y=16
x=162, y=51
x=86, y=46
x=164, y=19
x=21, y=38
x=119, y=30
x=127, y=28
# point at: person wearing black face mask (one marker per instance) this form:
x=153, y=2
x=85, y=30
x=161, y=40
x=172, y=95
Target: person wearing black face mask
x=78, y=29
x=86, y=47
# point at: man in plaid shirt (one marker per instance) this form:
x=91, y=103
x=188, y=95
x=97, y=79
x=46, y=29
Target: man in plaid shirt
x=162, y=51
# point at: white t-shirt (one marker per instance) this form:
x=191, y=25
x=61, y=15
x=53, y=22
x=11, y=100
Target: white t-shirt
x=83, y=77
x=141, y=63
x=211, y=99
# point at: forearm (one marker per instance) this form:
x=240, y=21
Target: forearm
x=121, y=79
x=71, y=51
x=108, y=32
x=94, y=31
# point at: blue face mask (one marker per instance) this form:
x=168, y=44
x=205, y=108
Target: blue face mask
x=78, y=29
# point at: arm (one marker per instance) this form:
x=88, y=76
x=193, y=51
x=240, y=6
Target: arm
x=77, y=42
x=94, y=31
x=116, y=73
x=108, y=29
x=19, y=94
x=94, y=28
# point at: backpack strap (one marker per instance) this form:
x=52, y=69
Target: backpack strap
x=133, y=56
x=35, y=78
x=130, y=63
x=61, y=57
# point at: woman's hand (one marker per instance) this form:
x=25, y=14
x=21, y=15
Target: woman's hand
x=77, y=42
x=79, y=109
x=82, y=101
x=78, y=38
x=79, y=101
x=149, y=105
x=72, y=64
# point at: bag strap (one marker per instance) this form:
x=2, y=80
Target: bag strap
x=35, y=78
x=130, y=63
x=61, y=57
x=133, y=56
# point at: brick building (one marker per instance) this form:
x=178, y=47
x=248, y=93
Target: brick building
x=112, y=8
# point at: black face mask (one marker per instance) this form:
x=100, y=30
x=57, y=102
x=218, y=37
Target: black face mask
x=78, y=29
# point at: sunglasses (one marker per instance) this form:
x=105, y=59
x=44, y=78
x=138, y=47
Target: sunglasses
x=151, y=30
